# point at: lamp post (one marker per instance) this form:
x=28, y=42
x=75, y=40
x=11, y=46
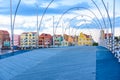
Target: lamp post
x=12, y=23
x=12, y=44
x=53, y=34
x=37, y=35
x=113, y=27
x=108, y=16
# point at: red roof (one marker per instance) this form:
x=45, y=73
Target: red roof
x=109, y=34
x=87, y=36
x=45, y=35
x=4, y=32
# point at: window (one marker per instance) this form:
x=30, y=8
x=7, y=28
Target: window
x=33, y=34
x=33, y=40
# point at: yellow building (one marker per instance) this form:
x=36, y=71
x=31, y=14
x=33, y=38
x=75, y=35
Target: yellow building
x=28, y=40
x=84, y=39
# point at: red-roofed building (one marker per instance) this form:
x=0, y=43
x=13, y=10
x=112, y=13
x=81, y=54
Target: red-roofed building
x=45, y=40
x=4, y=39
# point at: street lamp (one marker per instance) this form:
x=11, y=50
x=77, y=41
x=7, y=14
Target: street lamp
x=37, y=37
x=111, y=26
x=11, y=25
x=53, y=33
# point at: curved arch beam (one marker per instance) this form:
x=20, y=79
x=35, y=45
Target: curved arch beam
x=86, y=16
x=107, y=14
x=43, y=16
x=77, y=8
x=80, y=26
x=99, y=12
x=13, y=24
x=16, y=13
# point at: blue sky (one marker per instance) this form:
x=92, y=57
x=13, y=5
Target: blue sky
x=29, y=8
x=26, y=15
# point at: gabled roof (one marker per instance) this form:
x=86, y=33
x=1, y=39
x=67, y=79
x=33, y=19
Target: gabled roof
x=87, y=36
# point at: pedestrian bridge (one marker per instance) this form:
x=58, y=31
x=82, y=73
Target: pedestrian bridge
x=68, y=63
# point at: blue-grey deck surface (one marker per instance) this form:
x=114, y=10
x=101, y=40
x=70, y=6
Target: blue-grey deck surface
x=107, y=66
x=68, y=63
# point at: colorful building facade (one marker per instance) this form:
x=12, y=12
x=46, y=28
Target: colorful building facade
x=45, y=40
x=84, y=39
x=17, y=40
x=58, y=39
x=71, y=40
x=4, y=39
x=65, y=40
x=28, y=40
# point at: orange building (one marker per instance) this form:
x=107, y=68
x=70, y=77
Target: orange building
x=45, y=40
x=68, y=40
x=71, y=40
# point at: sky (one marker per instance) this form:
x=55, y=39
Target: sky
x=79, y=15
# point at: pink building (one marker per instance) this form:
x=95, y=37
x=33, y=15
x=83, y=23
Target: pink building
x=17, y=40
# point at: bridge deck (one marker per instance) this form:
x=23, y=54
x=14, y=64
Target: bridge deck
x=70, y=63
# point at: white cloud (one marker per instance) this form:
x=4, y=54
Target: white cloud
x=30, y=2
x=53, y=5
x=28, y=23
x=80, y=23
x=71, y=2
